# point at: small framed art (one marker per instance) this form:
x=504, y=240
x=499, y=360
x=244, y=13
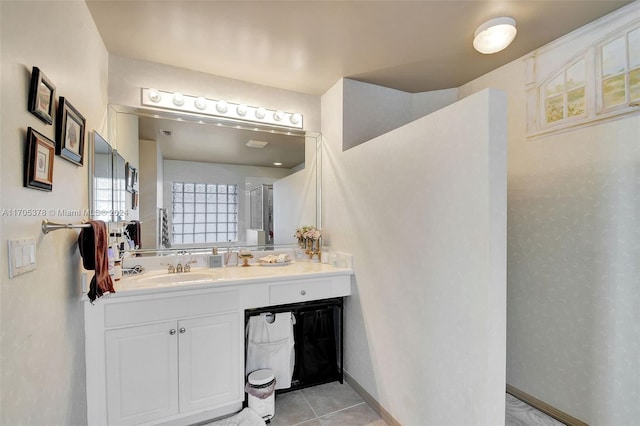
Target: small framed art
x=70, y=125
x=38, y=161
x=42, y=94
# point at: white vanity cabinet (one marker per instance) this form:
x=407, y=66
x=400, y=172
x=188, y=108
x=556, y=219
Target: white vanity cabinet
x=163, y=357
x=174, y=354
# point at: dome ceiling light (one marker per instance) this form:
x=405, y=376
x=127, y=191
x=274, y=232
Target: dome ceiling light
x=495, y=35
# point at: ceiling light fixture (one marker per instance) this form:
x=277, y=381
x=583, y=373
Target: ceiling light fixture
x=277, y=164
x=159, y=99
x=494, y=35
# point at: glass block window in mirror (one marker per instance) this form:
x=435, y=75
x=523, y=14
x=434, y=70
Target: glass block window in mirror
x=204, y=213
x=620, y=71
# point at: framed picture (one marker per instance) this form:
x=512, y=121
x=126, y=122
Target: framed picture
x=131, y=174
x=38, y=161
x=42, y=94
x=70, y=125
x=134, y=200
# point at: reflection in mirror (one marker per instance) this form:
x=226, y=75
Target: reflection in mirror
x=100, y=183
x=119, y=207
x=202, y=175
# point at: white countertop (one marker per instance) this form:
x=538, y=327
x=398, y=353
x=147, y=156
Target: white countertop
x=203, y=278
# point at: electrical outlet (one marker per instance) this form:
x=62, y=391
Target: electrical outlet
x=22, y=256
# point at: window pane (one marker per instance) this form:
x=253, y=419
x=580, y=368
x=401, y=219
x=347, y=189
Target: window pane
x=222, y=189
x=201, y=208
x=200, y=218
x=188, y=228
x=233, y=189
x=201, y=198
x=178, y=208
x=634, y=85
x=554, y=109
x=177, y=186
x=613, y=57
x=575, y=102
x=189, y=187
x=177, y=229
x=211, y=237
x=613, y=91
x=222, y=218
x=222, y=227
x=177, y=197
x=222, y=208
x=201, y=187
x=576, y=75
x=212, y=188
x=178, y=218
x=188, y=208
x=200, y=228
x=555, y=86
x=211, y=218
x=177, y=239
x=200, y=238
x=211, y=198
x=188, y=197
x=188, y=218
x=634, y=49
x=222, y=198
x=187, y=239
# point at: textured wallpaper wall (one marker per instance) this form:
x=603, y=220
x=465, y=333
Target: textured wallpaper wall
x=573, y=305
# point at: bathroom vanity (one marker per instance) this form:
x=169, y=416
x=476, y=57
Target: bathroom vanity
x=169, y=348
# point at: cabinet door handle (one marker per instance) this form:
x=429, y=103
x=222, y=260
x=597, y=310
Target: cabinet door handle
x=303, y=292
x=182, y=330
x=172, y=331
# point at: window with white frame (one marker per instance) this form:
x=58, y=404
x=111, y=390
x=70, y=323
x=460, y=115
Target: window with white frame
x=620, y=71
x=204, y=213
x=564, y=95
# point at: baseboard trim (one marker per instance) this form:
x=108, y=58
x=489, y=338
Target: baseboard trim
x=560, y=416
x=375, y=405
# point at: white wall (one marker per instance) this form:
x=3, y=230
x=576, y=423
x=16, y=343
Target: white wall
x=573, y=244
x=193, y=171
x=423, y=209
x=42, y=356
x=370, y=110
x=151, y=196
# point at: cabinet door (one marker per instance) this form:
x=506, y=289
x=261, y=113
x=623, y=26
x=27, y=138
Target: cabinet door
x=210, y=359
x=142, y=373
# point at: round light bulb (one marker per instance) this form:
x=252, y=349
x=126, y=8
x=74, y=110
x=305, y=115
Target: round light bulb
x=278, y=115
x=178, y=99
x=154, y=95
x=200, y=103
x=261, y=113
x=222, y=107
x=295, y=118
x=241, y=110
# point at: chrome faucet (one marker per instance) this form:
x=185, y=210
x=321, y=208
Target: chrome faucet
x=178, y=268
x=171, y=269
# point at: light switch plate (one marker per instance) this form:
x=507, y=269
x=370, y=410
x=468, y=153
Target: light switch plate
x=22, y=256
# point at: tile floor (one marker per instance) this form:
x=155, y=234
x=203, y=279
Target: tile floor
x=333, y=404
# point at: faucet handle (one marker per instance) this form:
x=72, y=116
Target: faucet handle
x=178, y=268
x=187, y=267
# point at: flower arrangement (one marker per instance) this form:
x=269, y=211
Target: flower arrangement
x=307, y=232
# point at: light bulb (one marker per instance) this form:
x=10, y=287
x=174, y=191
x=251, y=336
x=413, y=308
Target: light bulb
x=221, y=106
x=494, y=35
x=178, y=99
x=200, y=103
x=154, y=95
x=241, y=110
x=295, y=118
x=261, y=113
x=278, y=115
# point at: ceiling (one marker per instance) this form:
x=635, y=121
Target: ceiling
x=307, y=46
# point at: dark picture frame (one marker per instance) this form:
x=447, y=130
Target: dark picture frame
x=131, y=176
x=42, y=95
x=38, y=161
x=70, y=130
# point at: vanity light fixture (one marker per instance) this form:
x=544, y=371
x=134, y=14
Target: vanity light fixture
x=494, y=35
x=176, y=101
x=277, y=164
x=256, y=144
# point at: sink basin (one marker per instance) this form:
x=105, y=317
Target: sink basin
x=183, y=278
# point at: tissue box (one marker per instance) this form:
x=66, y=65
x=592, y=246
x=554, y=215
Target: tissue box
x=215, y=261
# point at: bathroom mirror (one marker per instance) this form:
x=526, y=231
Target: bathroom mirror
x=101, y=184
x=201, y=160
